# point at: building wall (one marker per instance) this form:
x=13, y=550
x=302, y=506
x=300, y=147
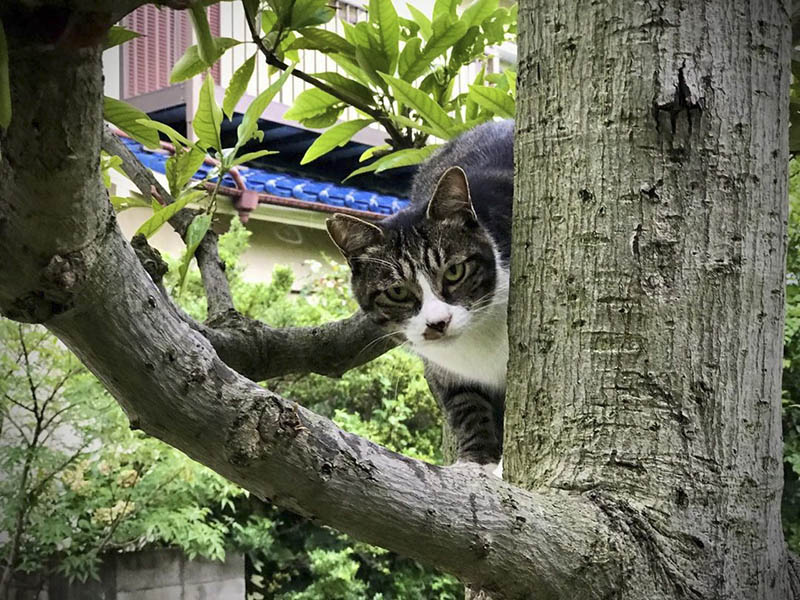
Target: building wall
x=147, y=575
x=272, y=243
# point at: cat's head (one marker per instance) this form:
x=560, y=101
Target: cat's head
x=429, y=272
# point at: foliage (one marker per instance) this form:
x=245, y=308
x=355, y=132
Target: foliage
x=115, y=489
x=791, y=368
x=66, y=448
x=396, y=72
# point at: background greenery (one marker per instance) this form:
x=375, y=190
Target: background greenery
x=114, y=489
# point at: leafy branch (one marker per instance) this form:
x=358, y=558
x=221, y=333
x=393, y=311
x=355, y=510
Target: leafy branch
x=398, y=139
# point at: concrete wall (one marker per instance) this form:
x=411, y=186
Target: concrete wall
x=146, y=575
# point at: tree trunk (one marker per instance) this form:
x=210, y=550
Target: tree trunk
x=647, y=281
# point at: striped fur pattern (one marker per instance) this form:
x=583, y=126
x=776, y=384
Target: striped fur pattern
x=437, y=273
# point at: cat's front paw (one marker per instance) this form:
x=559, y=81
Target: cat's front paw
x=498, y=469
x=493, y=469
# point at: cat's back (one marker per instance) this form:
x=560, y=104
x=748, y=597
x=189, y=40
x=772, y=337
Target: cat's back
x=486, y=153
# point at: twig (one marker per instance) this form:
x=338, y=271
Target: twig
x=26, y=357
x=212, y=269
x=19, y=429
x=17, y=403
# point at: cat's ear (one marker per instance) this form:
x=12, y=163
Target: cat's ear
x=451, y=196
x=352, y=235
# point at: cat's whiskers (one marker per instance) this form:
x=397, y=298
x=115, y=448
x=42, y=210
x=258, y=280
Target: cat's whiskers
x=378, y=340
x=375, y=260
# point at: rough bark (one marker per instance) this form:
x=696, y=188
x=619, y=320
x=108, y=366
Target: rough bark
x=647, y=281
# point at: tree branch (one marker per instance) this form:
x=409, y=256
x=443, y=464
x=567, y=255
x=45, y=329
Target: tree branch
x=481, y=529
x=212, y=269
x=248, y=346
x=260, y=352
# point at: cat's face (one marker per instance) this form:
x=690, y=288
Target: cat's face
x=427, y=274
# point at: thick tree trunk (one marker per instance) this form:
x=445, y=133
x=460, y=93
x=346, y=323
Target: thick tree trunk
x=647, y=281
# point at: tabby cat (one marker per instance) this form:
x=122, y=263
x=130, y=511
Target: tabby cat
x=437, y=272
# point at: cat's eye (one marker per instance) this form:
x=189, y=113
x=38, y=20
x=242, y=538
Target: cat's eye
x=398, y=293
x=455, y=273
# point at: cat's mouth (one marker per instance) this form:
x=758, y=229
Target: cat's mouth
x=429, y=335
x=438, y=337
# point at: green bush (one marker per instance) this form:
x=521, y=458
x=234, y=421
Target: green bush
x=791, y=369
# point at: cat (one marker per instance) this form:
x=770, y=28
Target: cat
x=437, y=272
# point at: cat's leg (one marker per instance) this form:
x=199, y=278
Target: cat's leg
x=473, y=418
x=498, y=469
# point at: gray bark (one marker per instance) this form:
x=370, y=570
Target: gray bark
x=647, y=281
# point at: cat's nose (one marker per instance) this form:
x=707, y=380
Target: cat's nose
x=435, y=330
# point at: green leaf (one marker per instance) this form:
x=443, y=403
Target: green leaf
x=445, y=9
x=470, y=47
x=311, y=103
x=154, y=223
x=121, y=203
x=511, y=77
x=472, y=107
x=119, y=35
x=252, y=156
x=471, y=124
x=194, y=235
x=386, y=31
x=207, y=49
x=408, y=29
x=357, y=35
x=351, y=87
x=175, y=137
x=406, y=122
x=351, y=68
x=408, y=57
x=336, y=136
x=401, y=158
x=127, y=118
x=208, y=117
x=238, y=85
x=493, y=99
x=367, y=60
x=369, y=152
x=436, y=46
x=190, y=64
x=5, y=82
x=326, y=119
x=249, y=125
x=422, y=20
x=424, y=105
x=268, y=21
x=313, y=38
x=306, y=13
x=181, y=167
x=478, y=11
